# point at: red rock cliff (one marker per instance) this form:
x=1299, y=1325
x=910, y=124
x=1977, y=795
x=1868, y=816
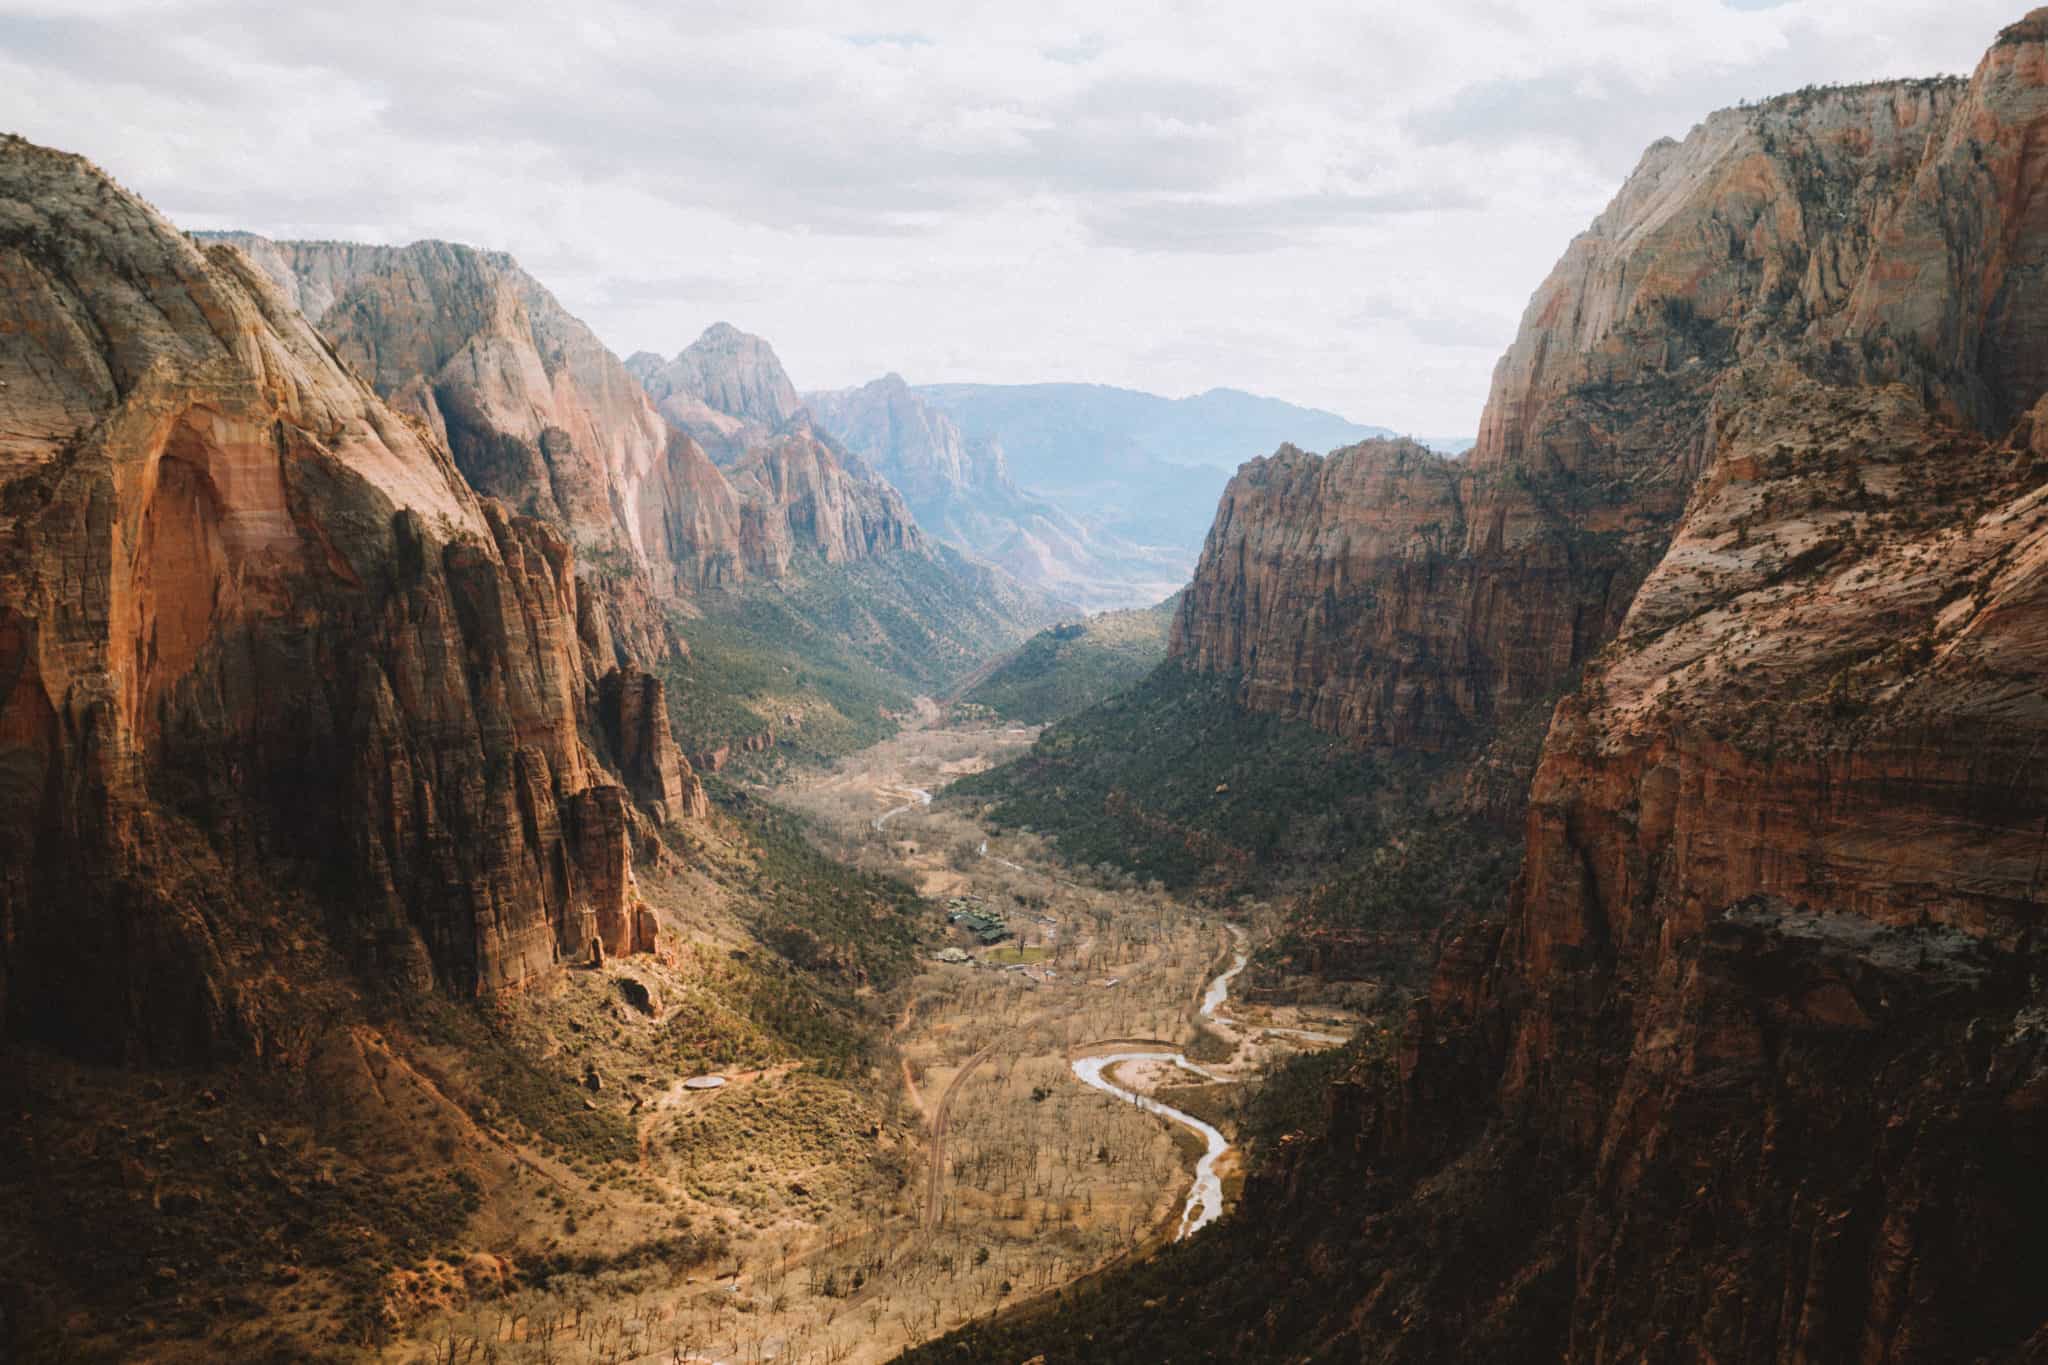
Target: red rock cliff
x=1756, y=1067
x=785, y=489
x=534, y=408
x=1411, y=600
x=251, y=617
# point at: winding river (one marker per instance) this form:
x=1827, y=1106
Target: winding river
x=918, y=797
x=1205, y=1198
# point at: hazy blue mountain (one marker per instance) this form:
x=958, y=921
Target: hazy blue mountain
x=1053, y=429
x=960, y=491
x=1149, y=467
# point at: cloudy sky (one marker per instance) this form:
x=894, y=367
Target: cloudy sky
x=1343, y=204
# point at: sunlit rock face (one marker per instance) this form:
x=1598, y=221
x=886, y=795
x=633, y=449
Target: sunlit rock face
x=1409, y=599
x=792, y=489
x=720, y=386
x=1755, y=1066
x=257, y=629
x=533, y=407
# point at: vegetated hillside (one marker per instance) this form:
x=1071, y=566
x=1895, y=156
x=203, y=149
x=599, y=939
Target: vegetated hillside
x=1366, y=856
x=862, y=611
x=412, y=1154
x=1751, y=1067
x=825, y=662
x=1172, y=779
x=1075, y=664
x=1138, y=465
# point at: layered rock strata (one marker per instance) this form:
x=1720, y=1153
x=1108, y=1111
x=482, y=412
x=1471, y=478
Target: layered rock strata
x=533, y=407
x=252, y=616
x=1408, y=599
x=1756, y=1068
x=537, y=412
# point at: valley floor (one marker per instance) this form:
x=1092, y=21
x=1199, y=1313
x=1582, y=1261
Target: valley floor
x=1034, y=1175
x=871, y=1170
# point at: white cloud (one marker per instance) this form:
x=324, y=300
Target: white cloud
x=1340, y=204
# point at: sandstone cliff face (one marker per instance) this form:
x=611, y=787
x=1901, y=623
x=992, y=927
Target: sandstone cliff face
x=534, y=408
x=1951, y=297
x=785, y=490
x=1756, y=1066
x=633, y=711
x=539, y=413
x=726, y=389
x=1766, y=1014
x=1344, y=590
x=251, y=618
x=1427, y=607
x=1769, y=997
x=796, y=494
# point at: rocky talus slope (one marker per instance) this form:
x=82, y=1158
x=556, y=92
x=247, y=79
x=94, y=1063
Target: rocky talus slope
x=255, y=624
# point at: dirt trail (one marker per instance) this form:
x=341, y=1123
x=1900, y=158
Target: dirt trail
x=935, y=1175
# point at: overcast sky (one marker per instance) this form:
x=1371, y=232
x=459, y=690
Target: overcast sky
x=1341, y=204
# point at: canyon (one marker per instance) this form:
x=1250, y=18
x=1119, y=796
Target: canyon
x=961, y=491
x=537, y=412
x=1621, y=844
x=1746, y=1063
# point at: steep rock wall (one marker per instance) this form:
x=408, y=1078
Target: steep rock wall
x=1432, y=599
x=250, y=617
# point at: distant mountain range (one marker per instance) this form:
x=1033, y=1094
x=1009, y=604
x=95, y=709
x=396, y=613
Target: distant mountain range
x=961, y=491
x=1054, y=431
x=1139, y=465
